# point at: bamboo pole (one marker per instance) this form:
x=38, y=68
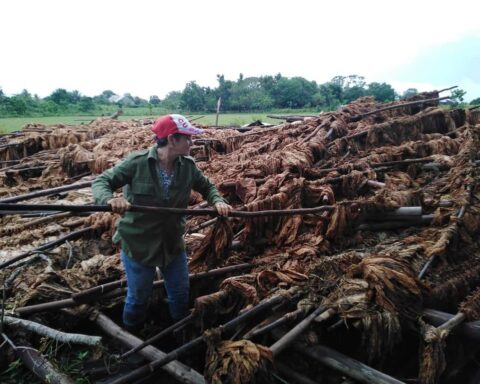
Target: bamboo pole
x=46, y=192
x=345, y=364
x=178, y=370
x=53, y=244
x=155, y=365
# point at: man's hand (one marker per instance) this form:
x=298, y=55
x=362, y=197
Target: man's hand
x=119, y=205
x=222, y=208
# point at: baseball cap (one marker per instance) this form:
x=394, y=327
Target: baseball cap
x=170, y=124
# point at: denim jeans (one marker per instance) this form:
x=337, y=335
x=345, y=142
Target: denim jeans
x=139, y=289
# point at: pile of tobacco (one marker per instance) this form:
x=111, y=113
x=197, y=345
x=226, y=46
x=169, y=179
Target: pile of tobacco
x=352, y=254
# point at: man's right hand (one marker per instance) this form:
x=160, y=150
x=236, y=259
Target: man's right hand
x=119, y=205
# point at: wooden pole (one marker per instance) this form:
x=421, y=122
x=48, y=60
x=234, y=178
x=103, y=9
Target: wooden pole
x=470, y=330
x=396, y=106
x=219, y=104
x=155, y=365
x=53, y=244
x=345, y=364
x=46, y=192
x=159, y=335
x=275, y=324
x=296, y=331
x=62, y=337
x=173, y=211
x=115, y=289
x=92, y=293
x=293, y=375
x=178, y=370
x=38, y=364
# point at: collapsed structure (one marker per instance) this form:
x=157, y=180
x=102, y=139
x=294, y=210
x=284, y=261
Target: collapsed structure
x=375, y=276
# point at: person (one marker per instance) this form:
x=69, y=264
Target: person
x=162, y=176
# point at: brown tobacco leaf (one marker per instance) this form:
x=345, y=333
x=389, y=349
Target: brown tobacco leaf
x=471, y=306
x=392, y=283
x=268, y=279
x=246, y=190
x=215, y=245
x=236, y=362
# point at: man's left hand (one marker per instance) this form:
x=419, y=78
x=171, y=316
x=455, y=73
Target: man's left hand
x=223, y=209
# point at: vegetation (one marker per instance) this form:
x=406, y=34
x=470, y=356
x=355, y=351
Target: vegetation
x=251, y=94
x=251, y=97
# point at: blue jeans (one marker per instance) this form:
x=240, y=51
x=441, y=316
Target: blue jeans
x=139, y=289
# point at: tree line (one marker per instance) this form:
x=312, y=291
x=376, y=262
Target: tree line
x=250, y=94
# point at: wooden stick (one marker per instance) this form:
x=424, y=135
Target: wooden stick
x=53, y=244
x=345, y=364
x=155, y=365
x=159, y=335
x=447, y=89
x=232, y=184
x=46, y=192
x=174, y=211
x=470, y=330
x=54, y=334
x=38, y=364
x=275, y=324
x=92, y=293
x=296, y=331
x=460, y=214
x=178, y=370
x=378, y=226
x=396, y=106
x=114, y=290
x=293, y=375
x=450, y=324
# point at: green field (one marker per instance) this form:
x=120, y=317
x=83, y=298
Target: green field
x=236, y=119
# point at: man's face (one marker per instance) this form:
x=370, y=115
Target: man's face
x=181, y=147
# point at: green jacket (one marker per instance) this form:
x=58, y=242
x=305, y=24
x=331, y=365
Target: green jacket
x=152, y=239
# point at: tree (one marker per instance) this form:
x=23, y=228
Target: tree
x=352, y=93
x=409, y=93
x=172, y=101
x=86, y=104
x=457, y=96
x=224, y=91
x=296, y=92
x=193, y=97
x=475, y=101
x=249, y=95
x=104, y=97
x=330, y=94
x=154, y=100
x=382, y=92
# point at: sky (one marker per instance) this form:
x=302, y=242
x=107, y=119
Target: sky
x=152, y=47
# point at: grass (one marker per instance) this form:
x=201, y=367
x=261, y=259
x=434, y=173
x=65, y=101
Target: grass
x=11, y=124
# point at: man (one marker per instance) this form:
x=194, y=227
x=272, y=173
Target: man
x=162, y=176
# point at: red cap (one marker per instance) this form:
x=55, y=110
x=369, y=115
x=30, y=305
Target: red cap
x=170, y=124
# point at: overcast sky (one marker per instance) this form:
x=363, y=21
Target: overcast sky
x=153, y=47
